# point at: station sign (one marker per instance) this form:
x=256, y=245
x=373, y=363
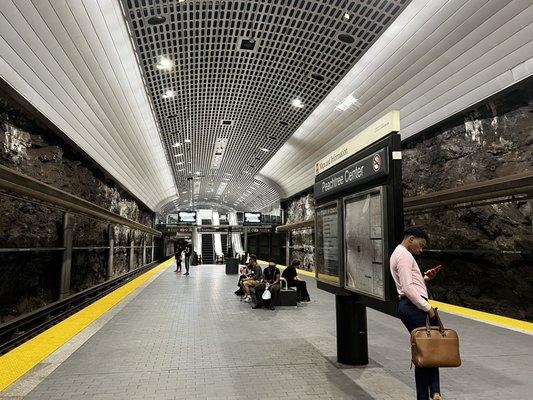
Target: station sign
x=212, y=229
x=173, y=229
x=385, y=125
x=259, y=230
x=373, y=166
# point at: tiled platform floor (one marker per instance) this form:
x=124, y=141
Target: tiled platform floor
x=191, y=338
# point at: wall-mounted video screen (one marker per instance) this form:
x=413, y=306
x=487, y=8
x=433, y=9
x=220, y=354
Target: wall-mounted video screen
x=327, y=237
x=364, y=219
x=187, y=217
x=253, y=218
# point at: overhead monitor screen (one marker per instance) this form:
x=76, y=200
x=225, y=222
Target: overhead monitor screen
x=363, y=243
x=252, y=218
x=187, y=217
x=327, y=257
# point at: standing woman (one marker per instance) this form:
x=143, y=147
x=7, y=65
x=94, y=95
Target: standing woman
x=414, y=306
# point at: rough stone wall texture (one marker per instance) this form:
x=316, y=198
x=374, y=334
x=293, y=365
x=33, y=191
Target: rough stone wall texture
x=30, y=280
x=299, y=209
x=494, y=140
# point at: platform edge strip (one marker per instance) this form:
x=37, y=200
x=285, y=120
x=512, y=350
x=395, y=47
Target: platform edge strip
x=23, y=358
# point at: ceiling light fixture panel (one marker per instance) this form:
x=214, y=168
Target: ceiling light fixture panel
x=218, y=153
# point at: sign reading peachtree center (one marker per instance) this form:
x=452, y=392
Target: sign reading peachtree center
x=368, y=168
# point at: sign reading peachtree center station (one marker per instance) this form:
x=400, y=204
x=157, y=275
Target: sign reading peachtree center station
x=368, y=168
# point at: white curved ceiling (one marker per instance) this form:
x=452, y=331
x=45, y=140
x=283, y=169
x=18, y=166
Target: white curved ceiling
x=74, y=62
x=437, y=59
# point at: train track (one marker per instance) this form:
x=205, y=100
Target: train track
x=23, y=328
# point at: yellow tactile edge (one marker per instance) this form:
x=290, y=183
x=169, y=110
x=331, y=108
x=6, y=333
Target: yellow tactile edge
x=495, y=319
x=23, y=358
x=485, y=316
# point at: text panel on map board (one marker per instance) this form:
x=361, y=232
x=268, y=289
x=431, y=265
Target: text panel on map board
x=363, y=227
x=327, y=244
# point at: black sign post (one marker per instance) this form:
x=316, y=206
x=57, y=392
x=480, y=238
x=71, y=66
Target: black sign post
x=359, y=220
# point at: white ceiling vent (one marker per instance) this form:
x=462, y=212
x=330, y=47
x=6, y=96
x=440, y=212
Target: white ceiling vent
x=220, y=147
x=221, y=188
x=196, y=187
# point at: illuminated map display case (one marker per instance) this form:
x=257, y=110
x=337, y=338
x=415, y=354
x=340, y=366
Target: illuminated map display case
x=364, y=243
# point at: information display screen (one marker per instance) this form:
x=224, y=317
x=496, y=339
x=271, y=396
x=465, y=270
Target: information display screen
x=252, y=218
x=187, y=217
x=327, y=257
x=363, y=243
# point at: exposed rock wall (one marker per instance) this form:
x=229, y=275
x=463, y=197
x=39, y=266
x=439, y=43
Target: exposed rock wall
x=494, y=140
x=298, y=209
x=30, y=279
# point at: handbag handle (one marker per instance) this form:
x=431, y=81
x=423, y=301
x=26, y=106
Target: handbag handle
x=428, y=325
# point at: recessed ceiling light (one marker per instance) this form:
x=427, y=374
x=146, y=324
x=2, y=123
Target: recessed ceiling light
x=178, y=155
x=156, y=20
x=177, y=144
x=181, y=170
x=197, y=172
x=165, y=64
x=264, y=149
x=187, y=140
x=346, y=16
x=297, y=103
x=168, y=94
x=179, y=163
x=272, y=137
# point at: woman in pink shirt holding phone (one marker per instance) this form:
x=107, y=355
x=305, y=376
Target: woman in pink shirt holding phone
x=414, y=306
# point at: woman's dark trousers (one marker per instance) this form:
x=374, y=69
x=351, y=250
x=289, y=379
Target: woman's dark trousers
x=301, y=288
x=427, y=379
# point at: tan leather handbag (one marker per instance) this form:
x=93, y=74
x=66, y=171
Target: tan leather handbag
x=435, y=346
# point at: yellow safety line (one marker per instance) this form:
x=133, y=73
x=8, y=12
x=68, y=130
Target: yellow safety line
x=463, y=311
x=484, y=316
x=21, y=359
x=300, y=271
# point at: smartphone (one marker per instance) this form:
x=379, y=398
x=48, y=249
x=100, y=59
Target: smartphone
x=435, y=269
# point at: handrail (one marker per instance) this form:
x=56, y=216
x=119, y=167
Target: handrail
x=28, y=186
x=491, y=189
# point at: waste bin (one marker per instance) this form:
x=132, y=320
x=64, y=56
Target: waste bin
x=232, y=266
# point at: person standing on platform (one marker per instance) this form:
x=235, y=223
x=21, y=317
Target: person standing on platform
x=414, y=306
x=291, y=276
x=177, y=255
x=188, y=253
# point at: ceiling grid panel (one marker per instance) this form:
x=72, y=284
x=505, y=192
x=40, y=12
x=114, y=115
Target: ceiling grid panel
x=50, y=71
x=428, y=77
x=245, y=62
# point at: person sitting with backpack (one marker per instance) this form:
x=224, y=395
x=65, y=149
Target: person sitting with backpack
x=271, y=282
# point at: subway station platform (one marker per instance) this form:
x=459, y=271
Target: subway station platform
x=189, y=337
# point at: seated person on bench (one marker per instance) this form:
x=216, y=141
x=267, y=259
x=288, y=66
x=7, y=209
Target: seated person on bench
x=271, y=275
x=252, y=279
x=291, y=276
x=244, y=271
